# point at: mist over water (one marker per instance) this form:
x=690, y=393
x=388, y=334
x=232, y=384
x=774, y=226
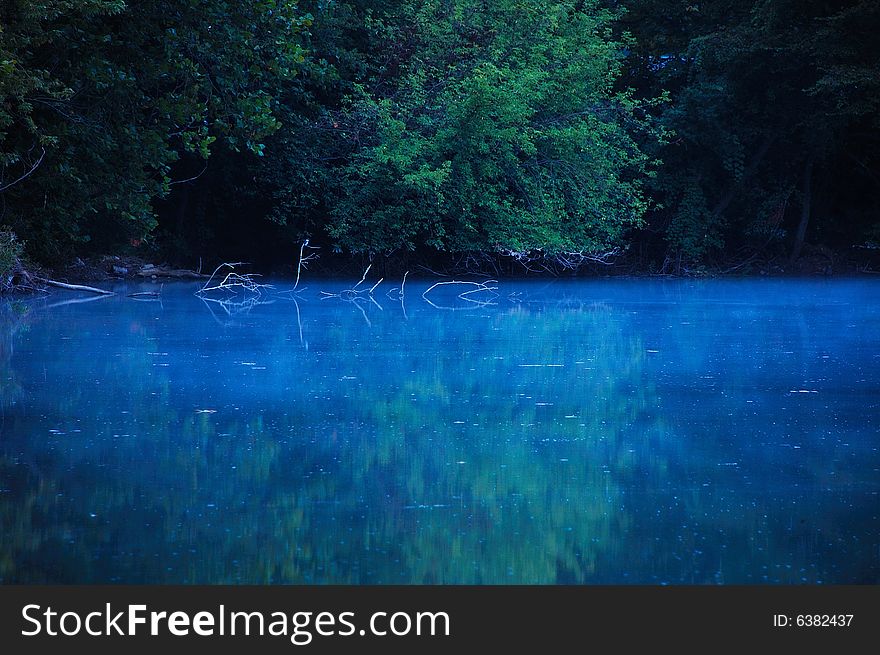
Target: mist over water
x=620, y=431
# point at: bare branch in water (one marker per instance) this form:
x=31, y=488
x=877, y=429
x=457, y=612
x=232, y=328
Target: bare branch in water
x=303, y=261
x=479, y=287
x=353, y=292
x=216, y=270
x=233, y=282
x=363, y=278
x=488, y=287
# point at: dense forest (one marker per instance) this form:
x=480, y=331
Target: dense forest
x=673, y=136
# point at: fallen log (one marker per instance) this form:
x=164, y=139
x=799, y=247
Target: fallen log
x=75, y=287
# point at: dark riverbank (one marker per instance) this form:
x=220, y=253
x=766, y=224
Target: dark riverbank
x=815, y=261
x=108, y=268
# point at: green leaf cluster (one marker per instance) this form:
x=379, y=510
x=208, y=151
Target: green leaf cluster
x=496, y=127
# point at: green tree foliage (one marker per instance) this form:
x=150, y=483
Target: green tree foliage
x=491, y=127
x=98, y=98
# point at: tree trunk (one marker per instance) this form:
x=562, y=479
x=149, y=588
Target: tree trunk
x=805, y=210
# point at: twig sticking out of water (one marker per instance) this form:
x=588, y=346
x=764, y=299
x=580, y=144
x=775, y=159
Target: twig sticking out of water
x=303, y=261
x=363, y=277
x=399, y=291
x=233, y=282
x=354, y=293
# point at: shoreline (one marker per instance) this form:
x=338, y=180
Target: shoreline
x=127, y=268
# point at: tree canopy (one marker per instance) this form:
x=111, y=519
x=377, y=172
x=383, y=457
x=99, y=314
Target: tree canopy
x=773, y=104
x=99, y=98
x=698, y=132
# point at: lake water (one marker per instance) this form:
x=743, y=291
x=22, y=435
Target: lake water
x=601, y=431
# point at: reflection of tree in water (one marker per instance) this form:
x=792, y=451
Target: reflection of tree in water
x=388, y=480
x=522, y=443
x=13, y=320
x=497, y=458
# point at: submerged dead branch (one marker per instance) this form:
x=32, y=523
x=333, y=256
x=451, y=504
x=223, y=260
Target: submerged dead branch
x=75, y=287
x=147, y=294
x=354, y=293
x=233, y=282
x=479, y=287
x=489, y=288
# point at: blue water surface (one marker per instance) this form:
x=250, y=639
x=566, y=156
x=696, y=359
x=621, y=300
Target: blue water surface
x=597, y=431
